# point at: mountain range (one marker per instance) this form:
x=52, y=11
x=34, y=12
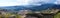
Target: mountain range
x=32, y=7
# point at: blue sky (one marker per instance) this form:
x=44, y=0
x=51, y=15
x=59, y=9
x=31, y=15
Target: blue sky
x=22, y=2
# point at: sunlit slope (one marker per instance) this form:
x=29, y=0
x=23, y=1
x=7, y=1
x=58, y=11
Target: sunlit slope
x=57, y=15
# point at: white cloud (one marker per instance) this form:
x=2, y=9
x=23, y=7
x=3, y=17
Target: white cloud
x=20, y=2
x=45, y=1
x=55, y=2
x=13, y=2
x=58, y=1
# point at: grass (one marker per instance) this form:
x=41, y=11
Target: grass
x=57, y=15
x=9, y=14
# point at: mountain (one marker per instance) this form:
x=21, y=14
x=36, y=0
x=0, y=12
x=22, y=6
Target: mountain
x=56, y=6
x=14, y=8
x=32, y=7
x=43, y=7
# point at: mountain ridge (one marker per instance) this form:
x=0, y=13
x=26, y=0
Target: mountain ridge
x=34, y=8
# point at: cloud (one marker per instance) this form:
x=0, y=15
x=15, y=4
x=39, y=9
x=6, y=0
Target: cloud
x=13, y=2
x=44, y=1
x=22, y=2
x=58, y=1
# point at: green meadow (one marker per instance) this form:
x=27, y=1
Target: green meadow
x=57, y=15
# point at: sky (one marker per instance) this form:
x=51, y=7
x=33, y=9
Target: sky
x=25, y=2
x=58, y=2
x=13, y=2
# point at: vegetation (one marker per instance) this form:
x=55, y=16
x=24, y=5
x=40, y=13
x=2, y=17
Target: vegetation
x=57, y=15
x=9, y=15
